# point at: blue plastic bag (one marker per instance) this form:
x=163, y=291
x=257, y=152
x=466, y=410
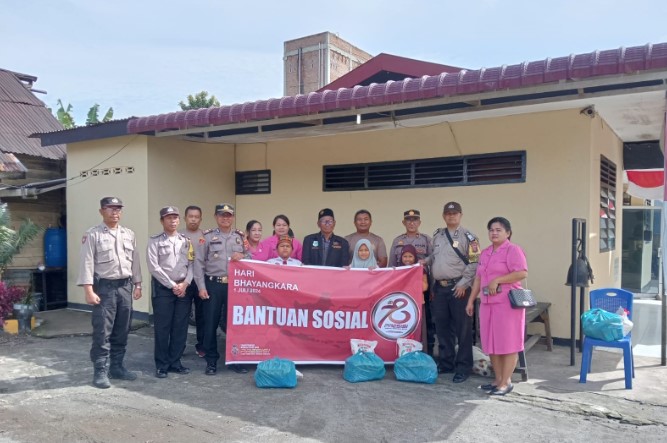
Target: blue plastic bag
x=603, y=325
x=276, y=373
x=363, y=366
x=416, y=367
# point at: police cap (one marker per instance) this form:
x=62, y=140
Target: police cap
x=452, y=207
x=411, y=213
x=169, y=210
x=224, y=208
x=111, y=201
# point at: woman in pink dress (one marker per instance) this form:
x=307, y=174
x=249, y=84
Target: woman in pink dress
x=501, y=268
x=267, y=248
x=253, y=236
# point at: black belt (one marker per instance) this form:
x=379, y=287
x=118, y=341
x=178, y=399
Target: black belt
x=222, y=279
x=449, y=282
x=117, y=283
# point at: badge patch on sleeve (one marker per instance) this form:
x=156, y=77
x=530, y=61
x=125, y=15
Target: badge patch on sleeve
x=474, y=251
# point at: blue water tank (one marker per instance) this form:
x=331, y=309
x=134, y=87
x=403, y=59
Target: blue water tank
x=55, y=248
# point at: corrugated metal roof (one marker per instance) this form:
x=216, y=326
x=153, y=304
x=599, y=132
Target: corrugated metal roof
x=14, y=91
x=22, y=114
x=113, y=128
x=507, y=77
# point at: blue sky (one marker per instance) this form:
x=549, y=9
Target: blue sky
x=143, y=56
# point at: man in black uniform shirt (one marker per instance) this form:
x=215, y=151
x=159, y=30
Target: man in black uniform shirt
x=325, y=248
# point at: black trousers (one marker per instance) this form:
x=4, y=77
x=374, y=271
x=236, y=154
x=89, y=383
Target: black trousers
x=193, y=293
x=214, y=308
x=170, y=325
x=452, y=325
x=111, y=320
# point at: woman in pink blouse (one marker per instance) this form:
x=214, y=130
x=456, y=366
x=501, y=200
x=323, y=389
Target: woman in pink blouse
x=253, y=236
x=267, y=248
x=501, y=267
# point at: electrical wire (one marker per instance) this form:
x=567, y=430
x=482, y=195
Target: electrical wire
x=99, y=163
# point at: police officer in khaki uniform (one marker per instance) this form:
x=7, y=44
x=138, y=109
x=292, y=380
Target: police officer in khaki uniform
x=170, y=257
x=423, y=245
x=453, y=265
x=412, y=236
x=214, y=250
x=192, y=220
x=108, y=267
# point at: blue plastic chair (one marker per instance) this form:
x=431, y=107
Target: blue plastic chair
x=610, y=299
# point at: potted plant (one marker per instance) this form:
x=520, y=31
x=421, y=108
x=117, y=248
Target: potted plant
x=9, y=297
x=23, y=311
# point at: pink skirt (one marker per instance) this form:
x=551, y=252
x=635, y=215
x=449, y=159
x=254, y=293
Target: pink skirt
x=501, y=328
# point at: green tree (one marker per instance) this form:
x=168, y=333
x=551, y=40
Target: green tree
x=11, y=241
x=94, y=115
x=64, y=115
x=198, y=101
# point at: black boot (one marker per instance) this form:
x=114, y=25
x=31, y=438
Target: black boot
x=118, y=371
x=100, y=377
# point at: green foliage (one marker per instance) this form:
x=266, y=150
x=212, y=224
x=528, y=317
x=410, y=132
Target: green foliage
x=12, y=241
x=64, y=115
x=198, y=101
x=94, y=115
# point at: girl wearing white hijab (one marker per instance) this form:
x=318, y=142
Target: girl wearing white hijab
x=363, y=255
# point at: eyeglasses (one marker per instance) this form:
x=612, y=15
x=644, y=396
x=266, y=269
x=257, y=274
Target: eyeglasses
x=327, y=222
x=113, y=210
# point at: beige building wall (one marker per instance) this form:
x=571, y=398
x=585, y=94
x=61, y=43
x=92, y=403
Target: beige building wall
x=165, y=172
x=126, y=156
x=562, y=182
x=184, y=173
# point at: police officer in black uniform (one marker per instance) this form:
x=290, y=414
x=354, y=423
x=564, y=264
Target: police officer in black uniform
x=324, y=248
x=170, y=256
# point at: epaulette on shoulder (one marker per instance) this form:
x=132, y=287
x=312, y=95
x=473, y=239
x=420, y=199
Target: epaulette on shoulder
x=207, y=231
x=470, y=236
x=239, y=232
x=156, y=235
x=437, y=231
